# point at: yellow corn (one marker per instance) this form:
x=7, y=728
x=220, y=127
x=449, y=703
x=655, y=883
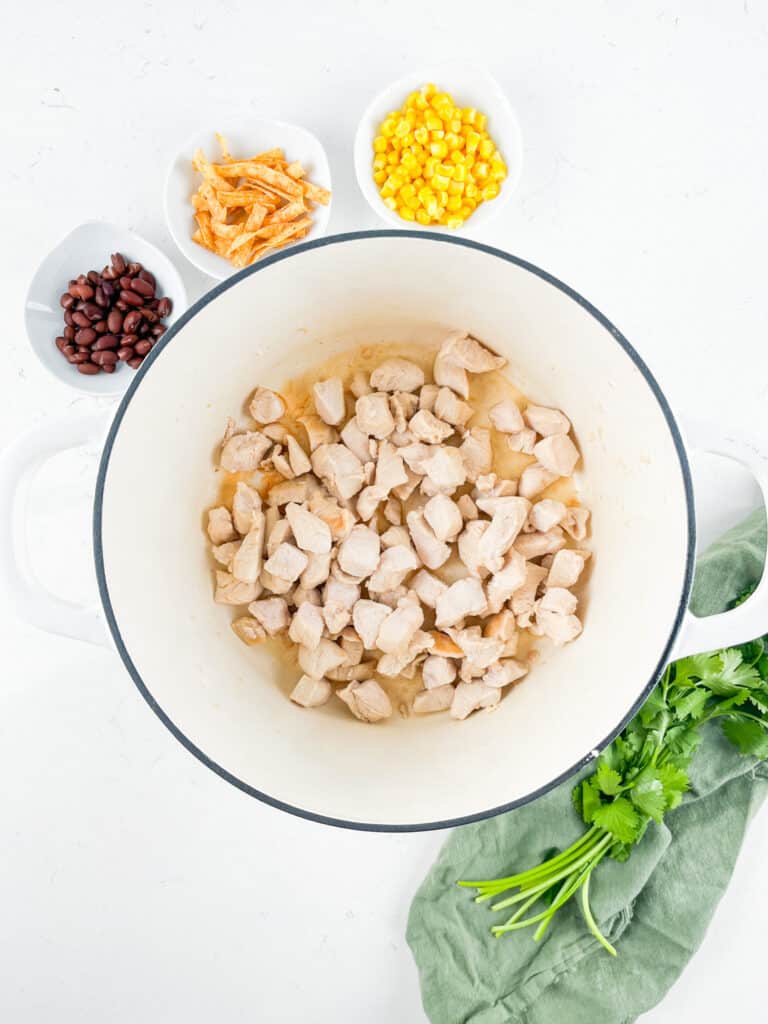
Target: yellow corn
x=406, y=213
x=380, y=144
x=453, y=204
x=380, y=177
x=490, y=191
x=454, y=222
x=421, y=134
x=390, y=201
x=480, y=121
x=423, y=217
x=438, y=149
x=455, y=188
x=486, y=148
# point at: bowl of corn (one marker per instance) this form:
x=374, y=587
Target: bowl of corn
x=439, y=149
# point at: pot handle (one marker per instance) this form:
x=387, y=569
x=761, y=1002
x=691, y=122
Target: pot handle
x=750, y=619
x=29, y=598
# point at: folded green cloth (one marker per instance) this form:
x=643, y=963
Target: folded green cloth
x=654, y=908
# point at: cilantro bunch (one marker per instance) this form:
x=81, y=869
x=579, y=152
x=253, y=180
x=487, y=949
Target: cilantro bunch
x=639, y=777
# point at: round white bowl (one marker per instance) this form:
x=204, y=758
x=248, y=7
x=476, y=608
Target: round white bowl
x=245, y=139
x=86, y=248
x=470, y=87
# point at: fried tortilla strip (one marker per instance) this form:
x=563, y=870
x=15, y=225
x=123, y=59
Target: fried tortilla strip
x=315, y=193
x=229, y=231
x=288, y=212
x=275, y=180
x=208, y=170
x=203, y=219
x=256, y=217
x=240, y=197
x=295, y=170
x=284, y=231
x=226, y=156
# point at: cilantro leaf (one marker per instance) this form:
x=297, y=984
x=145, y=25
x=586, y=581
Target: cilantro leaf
x=590, y=799
x=608, y=780
x=648, y=795
x=675, y=782
x=749, y=736
x=760, y=699
x=620, y=819
x=690, y=703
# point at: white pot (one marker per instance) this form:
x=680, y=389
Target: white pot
x=226, y=702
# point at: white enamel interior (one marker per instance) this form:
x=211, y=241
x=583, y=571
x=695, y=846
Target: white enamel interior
x=230, y=700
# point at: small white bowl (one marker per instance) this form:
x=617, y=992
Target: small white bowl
x=244, y=140
x=86, y=248
x=470, y=87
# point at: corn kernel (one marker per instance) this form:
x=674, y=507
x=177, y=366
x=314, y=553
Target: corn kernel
x=445, y=169
x=438, y=149
x=486, y=148
x=451, y=140
x=380, y=177
x=490, y=191
x=436, y=136
x=406, y=213
x=469, y=161
x=455, y=188
x=421, y=103
x=468, y=115
x=429, y=90
x=422, y=217
x=386, y=192
x=418, y=182
x=392, y=158
x=425, y=194
x=454, y=222
x=380, y=144
x=470, y=191
x=379, y=162
x=442, y=197
x=471, y=203
x=480, y=122
x=466, y=211
x=421, y=135
x=412, y=97
x=390, y=202
x=460, y=173
x=412, y=203
x=453, y=204
x=430, y=166
x=455, y=123
x=456, y=158
x=432, y=206
x=433, y=122
x=439, y=181
x=480, y=171
x=473, y=141
x=388, y=127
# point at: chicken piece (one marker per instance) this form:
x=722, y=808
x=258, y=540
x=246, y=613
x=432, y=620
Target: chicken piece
x=317, y=431
x=297, y=490
x=393, y=511
x=246, y=565
x=523, y=441
x=391, y=597
x=546, y=421
x=398, y=629
x=367, y=617
x=340, y=520
x=504, y=672
x=558, y=454
x=288, y=563
x=534, y=545
x=272, y=613
x=432, y=552
x=403, y=406
x=464, y=597
x=359, y=384
x=504, y=505
x=427, y=701
x=336, y=617
x=428, y=397
x=249, y=630
x=275, y=584
x=425, y=426
x=311, y=693
x=341, y=592
x=574, y=522
x=479, y=651
x=546, y=514
x=404, y=491
x=503, y=626
x=232, y=591
x=394, y=565
x=488, y=485
x=243, y=452
x=368, y=501
x=507, y=581
x=559, y=600
x=321, y=659
x=445, y=646
x=275, y=432
x=476, y=452
x=352, y=646
x=534, y=480
x=329, y=400
x=451, y=409
x=465, y=350
x=224, y=553
x=347, y=673
x=280, y=462
x=229, y=431
x=469, y=697
x=561, y=629
x=443, y=515
x=524, y=597
x=427, y=587
x=220, y=528
x=316, y=572
x=373, y=415
x=309, y=595
x=311, y=533
x=397, y=375
x=266, y=406
x=405, y=661
x=359, y=552
x=506, y=417
x=366, y=700
x=395, y=535
x=297, y=457
x=567, y=566
x=337, y=573
x=306, y=626
x=470, y=551
x=279, y=534
x=359, y=443
x=437, y=671
x=390, y=470
x=502, y=533
x=467, y=507
x=415, y=455
x=339, y=468
x=446, y=469
x=246, y=504
x=448, y=373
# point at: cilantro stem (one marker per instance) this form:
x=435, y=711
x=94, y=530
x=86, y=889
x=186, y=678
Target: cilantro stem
x=591, y=923
x=550, y=880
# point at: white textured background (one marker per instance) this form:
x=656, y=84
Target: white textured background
x=135, y=885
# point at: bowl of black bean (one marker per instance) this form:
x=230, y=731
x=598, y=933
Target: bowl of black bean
x=97, y=305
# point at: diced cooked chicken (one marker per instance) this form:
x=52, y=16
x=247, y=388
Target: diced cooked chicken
x=397, y=375
x=504, y=528
x=311, y=693
x=318, y=432
x=393, y=511
x=232, y=591
x=337, y=573
x=288, y=563
x=468, y=697
x=425, y=426
x=266, y=406
x=352, y=646
x=403, y=406
x=488, y=485
x=506, y=417
x=524, y=597
x=428, y=397
x=336, y=617
x=368, y=501
x=476, y=452
x=290, y=490
x=561, y=629
x=316, y=572
x=306, y=626
x=511, y=577
x=341, y=592
x=224, y=553
x=220, y=528
x=437, y=671
x=415, y=455
x=390, y=471
x=367, y=617
x=404, y=491
x=523, y=441
x=397, y=630
x=445, y=646
x=394, y=565
x=558, y=454
x=574, y=522
x=340, y=520
x=359, y=384
x=339, y=468
x=329, y=400
x=546, y=514
x=504, y=672
x=479, y=651
x=249, y=630
x=404, y=661
x=366, y=700
x=448, y=373
x=297, y=457
x=470, y=354
x=464, y=597
x=534, y=480
x=373, y=415
x=246, y=504
x=312, y=535
x=446, y=469
x=272, y=613
x=547, y=421
x=534, y=545
x=427, y=587
x=567, y=566
x=392, y=597
x=243, y=452
x=558, y=599
x=427, y=701
x=359, y=552
x=247, y=562
x=279, y=534
x=321, y=659
x=503, y=626
x=443, y=515
x=275, y=584
x=395, y=535
x=432, y=552
x=467, y=507
x=358, y=442
x=469, y=548
x=346, y=673
x=451, y=409
x=275, y=432
x=301, y=595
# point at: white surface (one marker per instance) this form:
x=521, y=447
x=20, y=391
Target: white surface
x=245, y=139
x=134, y=884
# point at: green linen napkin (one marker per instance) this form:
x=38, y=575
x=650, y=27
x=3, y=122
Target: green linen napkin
x=644, y=906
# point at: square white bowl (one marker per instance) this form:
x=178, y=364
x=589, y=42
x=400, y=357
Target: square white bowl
x=86, y=248
x=470, y=87
x=245, y=140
